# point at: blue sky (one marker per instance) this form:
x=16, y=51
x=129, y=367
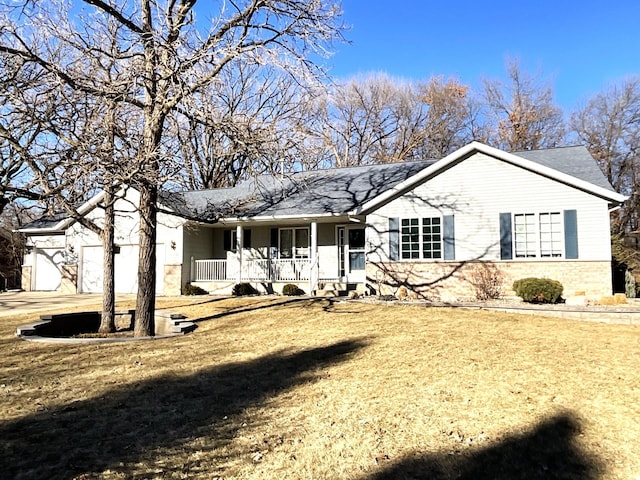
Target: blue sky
x=579, y=46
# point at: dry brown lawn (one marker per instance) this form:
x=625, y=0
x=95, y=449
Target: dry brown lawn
x=269, y=389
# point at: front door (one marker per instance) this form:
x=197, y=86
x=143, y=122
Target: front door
x=351, y=244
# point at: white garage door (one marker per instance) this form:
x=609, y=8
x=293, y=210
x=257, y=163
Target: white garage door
x=48, y=271
x=126, y=269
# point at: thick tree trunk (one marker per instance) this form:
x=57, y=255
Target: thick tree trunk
x=146, y=299
x=108, y=321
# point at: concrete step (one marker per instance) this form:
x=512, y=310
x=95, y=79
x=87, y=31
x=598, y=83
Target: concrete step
x=183, y=327
x=336, y=286
x=331, y=293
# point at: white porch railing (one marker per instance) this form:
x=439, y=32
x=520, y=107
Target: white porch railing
x=276, y=270
x=297, y=270
x=206, y=270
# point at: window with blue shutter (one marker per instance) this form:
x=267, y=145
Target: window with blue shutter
x=428, y=238
x=570, y=234
x=539, y=235
x=506, y=240
x=449, y=237
x=394, y=239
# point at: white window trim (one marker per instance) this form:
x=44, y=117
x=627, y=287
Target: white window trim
x=421, y=240
x=538, y=255
x=294, y=255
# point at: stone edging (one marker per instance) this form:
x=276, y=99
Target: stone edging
x=168, y=325
x=610, y=315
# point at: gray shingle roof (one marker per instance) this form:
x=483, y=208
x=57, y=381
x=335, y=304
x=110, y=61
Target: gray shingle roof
x=336, y=191
x=45, y=222
x=575, y=161
x=339, y=191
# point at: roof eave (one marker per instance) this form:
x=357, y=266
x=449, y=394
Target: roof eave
x=42, y=231
x=271, y=218
x=477, y=147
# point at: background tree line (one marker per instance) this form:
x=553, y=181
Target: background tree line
x=98, y=93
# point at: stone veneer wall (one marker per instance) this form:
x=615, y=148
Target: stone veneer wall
x=26, y=278
x=69, y=280
x=172, y=280
x=450, y=281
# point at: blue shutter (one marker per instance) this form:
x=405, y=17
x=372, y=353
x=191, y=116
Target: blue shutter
x=570, y=234
x=394, y=239
x=449, y=237
x=246, y=238
x=506, y=241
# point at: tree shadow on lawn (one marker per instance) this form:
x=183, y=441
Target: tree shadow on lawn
x=129, y=424
x=547, y=451
x=251, y=307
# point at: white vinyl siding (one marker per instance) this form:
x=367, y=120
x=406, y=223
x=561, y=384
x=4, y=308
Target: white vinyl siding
x=476, y=191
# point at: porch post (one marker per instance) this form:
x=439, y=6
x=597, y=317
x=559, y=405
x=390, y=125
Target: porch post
x=313, y=256
x=239, y=243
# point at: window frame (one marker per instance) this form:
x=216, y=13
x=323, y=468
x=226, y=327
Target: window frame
x=419, y=235
x=294, y=248
x=233, y=239
x=556, y=240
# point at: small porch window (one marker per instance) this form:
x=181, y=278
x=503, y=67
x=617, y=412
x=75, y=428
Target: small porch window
x=231, y=239
x=294, y=242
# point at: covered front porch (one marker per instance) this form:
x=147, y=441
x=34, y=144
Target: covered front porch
x=310, y=255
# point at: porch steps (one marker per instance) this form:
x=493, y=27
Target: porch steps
x=331, y=289
x=337, y=289
x=168, y=322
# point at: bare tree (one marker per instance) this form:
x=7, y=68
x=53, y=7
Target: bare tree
x=239, y=126
x=164, y=57
x=377, y=119
x=609, y=125
x=451, y=120
x=521, y=113
x=19, y=137
x=358, y=122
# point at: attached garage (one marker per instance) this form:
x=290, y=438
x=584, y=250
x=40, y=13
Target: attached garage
x=47, y=275
x=126, y=269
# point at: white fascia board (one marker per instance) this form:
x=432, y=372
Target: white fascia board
x=86, y=207
x=43, y=231
x=511, y=158
x=272, y=218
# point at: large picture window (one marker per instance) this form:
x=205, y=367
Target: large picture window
x=538, y=235
x=421, y=238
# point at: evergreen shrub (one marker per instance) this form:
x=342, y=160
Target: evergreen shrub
x=193, y=290
x=538, y=290
x=243, y=289
x=292, y=290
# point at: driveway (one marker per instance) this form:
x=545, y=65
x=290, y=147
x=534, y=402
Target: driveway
x=18, y=303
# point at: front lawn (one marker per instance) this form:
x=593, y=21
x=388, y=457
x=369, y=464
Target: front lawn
x=278, y=388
